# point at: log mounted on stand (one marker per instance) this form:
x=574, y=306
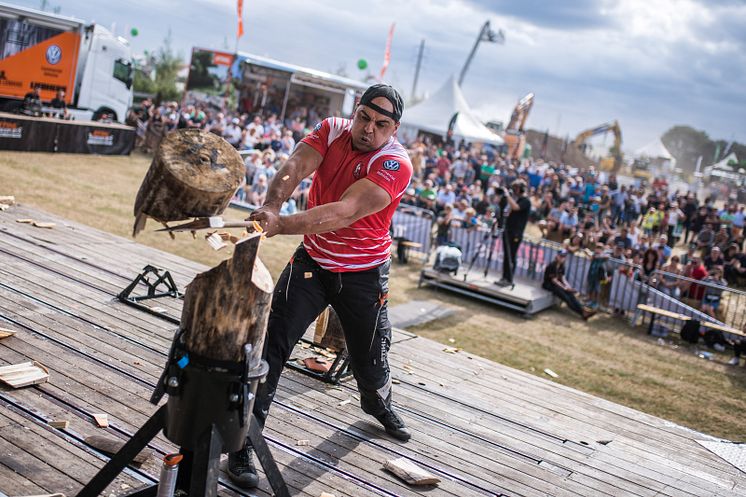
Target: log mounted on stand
x=193, y=174
x=228, y=306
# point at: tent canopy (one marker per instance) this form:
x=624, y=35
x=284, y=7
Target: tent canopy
x=434, y=114
x=723, y=164
x=654, y=150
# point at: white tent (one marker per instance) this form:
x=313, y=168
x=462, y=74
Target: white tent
x=654, y=150
x=722, y=169
x=434, y=114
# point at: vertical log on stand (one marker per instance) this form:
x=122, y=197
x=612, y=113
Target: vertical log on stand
x=193, y=174
x=228, y=306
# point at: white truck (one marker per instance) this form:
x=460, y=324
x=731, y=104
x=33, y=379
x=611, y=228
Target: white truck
x=53, y=52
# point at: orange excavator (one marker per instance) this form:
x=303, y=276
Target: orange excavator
x=514, y=135
x=612, y=163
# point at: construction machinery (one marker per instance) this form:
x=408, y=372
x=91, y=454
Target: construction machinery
x=613, y=162
x=514, y=134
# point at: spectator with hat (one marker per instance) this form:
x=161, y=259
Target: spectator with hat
x=555, y=282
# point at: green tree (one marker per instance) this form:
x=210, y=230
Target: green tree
x=164, y=67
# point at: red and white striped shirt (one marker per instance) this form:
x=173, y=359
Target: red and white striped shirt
x=366, y=243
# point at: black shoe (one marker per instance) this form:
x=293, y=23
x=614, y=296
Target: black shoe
x=394, y=426
x=241, y=469
x=503, y=283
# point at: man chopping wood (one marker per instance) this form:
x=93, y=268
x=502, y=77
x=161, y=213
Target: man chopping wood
x=360, y=173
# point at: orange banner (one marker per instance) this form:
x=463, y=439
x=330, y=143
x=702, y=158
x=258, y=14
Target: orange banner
x=50, y=64
x=240, y=19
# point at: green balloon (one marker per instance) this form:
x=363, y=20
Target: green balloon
x=134, y=32
x=362, y=64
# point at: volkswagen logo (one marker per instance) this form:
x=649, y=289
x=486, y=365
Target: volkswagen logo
x=54, y=54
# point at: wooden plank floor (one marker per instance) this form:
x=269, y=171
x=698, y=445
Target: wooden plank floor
x=485, y=429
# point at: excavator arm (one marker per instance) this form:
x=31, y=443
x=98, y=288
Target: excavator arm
x=616, y=149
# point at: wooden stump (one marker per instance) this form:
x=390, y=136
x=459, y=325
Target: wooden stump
x=329, y=333
x=228, y=306
x=193, y=174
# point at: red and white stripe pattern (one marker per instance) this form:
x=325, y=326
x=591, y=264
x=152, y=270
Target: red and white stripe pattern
x=366, y=243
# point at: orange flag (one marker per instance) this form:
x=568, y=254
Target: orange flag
x=387, y=54
x=240, y=19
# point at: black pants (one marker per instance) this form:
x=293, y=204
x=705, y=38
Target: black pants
x=569, y=298
x=360, y=299
x=511, y=242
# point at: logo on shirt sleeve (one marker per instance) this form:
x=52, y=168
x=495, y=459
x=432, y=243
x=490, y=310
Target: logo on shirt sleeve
x=391, y=165
x=318, y=126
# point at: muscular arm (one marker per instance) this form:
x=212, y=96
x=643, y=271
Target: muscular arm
x=361, y=199
x=302, y=162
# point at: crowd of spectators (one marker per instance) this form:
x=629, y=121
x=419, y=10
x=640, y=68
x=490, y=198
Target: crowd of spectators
x=669, y=239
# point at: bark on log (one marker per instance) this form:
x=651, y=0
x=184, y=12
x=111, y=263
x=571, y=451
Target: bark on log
x=329, y=333
x=193, y=174
x=228, y=306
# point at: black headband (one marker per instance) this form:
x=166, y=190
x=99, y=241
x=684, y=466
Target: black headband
x=387, y=92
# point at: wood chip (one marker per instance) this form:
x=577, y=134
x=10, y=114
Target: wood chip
x=111, y=446
x=161, y=310
x=344, y=402
x=40, y=224
x=452, y=340
x=4, y=207
x=286, y=177
x=326, y=494
x=7, y=199
x=102, y=420
x=216, y=242
x=395, y=381
x=60, y=425
x=302, y=443
x=409, y=472
x=47, y=495
x=24, y=374
x=25, y=221
x=551, y=373
x=451, y=350
x=5, y=333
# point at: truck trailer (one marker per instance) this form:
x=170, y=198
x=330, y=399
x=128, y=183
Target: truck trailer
x=53, y=52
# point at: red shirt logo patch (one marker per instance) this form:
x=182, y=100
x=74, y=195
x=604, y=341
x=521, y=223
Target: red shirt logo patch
x=358, y=169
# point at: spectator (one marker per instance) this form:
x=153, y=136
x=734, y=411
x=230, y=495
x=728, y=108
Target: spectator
x=597, y=275
x=714, y=259
x=712, y=295
x=555, y=282
x=232, y=132
x=670, y=284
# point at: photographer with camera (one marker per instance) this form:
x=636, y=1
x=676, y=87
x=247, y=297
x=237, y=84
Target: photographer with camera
x=515, y=202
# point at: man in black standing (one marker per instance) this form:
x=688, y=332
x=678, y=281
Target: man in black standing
x=515, y=224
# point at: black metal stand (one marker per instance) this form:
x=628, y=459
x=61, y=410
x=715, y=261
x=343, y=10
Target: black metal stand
x=339, y=370
x=158, y=283
x=198, y=471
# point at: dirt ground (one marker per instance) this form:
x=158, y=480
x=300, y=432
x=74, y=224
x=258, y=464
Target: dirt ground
x=604, y=357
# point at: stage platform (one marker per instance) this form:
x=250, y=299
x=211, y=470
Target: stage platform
x=483, y=428
x=526, y=296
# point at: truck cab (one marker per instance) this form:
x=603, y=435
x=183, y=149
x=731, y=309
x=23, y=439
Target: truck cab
x=104, y=77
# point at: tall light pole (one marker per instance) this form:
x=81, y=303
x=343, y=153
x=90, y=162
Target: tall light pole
x=485, y=34
x=417, y=70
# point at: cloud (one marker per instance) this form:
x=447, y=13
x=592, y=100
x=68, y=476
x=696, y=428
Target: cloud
x=561, y=15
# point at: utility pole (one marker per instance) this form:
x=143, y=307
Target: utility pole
x=485, y=34
x=417, y=70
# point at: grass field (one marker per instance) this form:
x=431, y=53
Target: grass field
x=604, y=357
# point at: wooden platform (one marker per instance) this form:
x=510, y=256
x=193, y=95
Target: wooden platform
x=483, y=428
x=525, y=296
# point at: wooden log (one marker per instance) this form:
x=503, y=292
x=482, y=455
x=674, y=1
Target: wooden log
x=193, y=174
x=228, y=306
x=329, y=333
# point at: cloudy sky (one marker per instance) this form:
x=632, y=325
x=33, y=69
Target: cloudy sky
x=650, y=64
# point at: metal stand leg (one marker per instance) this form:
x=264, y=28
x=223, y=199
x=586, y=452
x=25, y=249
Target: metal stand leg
x=200, y=469
x=267, y=461
x=126, y=454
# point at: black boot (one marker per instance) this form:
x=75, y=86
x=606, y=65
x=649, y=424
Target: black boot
x=394, y=425
x=241, y=469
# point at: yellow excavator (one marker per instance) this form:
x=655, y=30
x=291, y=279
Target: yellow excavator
x=612, y=163
x=514, y=135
